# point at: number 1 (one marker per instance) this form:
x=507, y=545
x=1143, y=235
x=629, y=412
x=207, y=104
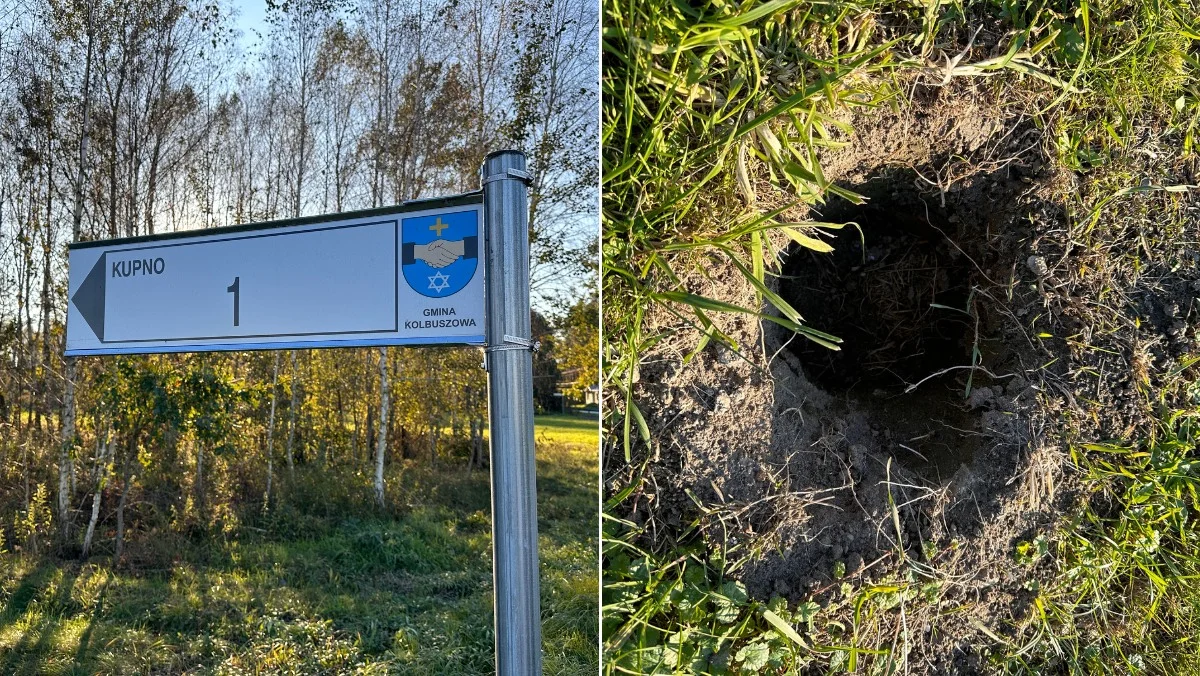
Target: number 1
x=236, y=290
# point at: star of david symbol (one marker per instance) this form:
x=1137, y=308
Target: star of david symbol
x=439, y=282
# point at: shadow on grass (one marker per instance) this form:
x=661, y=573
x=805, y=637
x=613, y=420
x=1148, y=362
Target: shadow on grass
x=85, y=639
x=26, y=590
x=24, y=658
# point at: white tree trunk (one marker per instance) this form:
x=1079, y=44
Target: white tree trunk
x=66, y=468
x=292, y=421
x=126, y=479
x=105, y=449
x=271, y=434
x=381, y=443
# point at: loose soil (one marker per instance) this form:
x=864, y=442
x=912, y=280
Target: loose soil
x=981, y=337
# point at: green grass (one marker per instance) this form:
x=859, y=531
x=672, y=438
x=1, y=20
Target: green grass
x=684, y=110
x=685, y=616
x=681, y=612
x=713, y=120
x=1123, y=596
x=319, y=590
x=567, y=429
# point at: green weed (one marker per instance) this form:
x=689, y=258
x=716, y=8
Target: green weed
x=1124, y=597
x=689, y=615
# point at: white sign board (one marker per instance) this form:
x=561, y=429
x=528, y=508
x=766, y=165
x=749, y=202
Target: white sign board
x=407, y=275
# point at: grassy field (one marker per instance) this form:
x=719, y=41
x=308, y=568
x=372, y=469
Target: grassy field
x=567, y=429
x=321, y=591
x=716, y=121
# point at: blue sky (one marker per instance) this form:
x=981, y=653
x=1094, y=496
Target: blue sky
x=252, y=16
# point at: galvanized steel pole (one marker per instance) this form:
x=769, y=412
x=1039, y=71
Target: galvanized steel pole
x=509, y=361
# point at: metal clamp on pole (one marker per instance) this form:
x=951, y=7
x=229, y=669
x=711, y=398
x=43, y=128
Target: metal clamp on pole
x=510, y=343
x=515, y=343
x=508, y=358
x=519, y=174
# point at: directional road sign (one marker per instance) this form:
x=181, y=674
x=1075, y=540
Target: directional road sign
x=407, y=275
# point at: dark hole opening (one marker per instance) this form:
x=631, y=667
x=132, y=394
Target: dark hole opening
x=899, y=296
x=899, y=304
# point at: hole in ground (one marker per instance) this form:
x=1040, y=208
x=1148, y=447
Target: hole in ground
x=899, y=296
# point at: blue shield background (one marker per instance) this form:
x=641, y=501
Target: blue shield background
x=462, y=224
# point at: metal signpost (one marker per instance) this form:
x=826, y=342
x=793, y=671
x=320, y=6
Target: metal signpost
x=509, y=361
x=405, y=275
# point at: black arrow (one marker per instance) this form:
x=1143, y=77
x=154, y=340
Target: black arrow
x=89, y=298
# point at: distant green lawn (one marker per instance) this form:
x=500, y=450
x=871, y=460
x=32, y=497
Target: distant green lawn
x=567, y=429
x=321, y=590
